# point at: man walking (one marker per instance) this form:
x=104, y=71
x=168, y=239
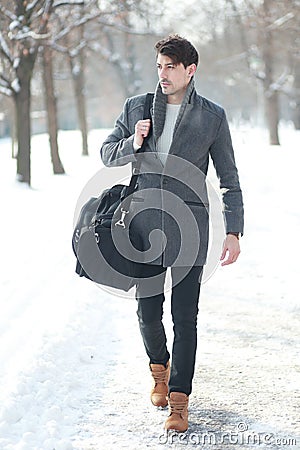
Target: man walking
x=185, y=129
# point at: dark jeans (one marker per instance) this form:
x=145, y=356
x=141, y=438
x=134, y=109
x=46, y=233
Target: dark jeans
x=184, y=309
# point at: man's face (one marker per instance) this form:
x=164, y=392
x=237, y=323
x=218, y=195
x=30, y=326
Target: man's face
x=173, y=79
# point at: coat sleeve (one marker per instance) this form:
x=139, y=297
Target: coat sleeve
x=117, y=149
x=222, y=155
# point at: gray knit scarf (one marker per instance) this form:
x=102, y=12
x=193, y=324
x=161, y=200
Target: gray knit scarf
x=160, y=107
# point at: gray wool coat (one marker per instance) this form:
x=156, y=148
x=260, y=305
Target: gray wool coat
x=170, y=209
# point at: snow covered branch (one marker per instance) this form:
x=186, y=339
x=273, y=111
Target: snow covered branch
x=250, y=7
x=76, y=24
x=30, y=34
x=5, y=91
x=107, y=55
x=4, y=48
x=126, y=29
x=66, y=2
x=281, y=21
x=5, y=86
x=231, y=59
x=279, y=84
x=30, y=7
x=7, y=13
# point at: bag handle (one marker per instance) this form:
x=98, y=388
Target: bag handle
x=130, y=188
x=146, y=115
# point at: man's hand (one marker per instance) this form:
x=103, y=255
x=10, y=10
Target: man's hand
x=142, y=128
x=231, y=250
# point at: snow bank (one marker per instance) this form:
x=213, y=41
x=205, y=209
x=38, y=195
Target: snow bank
x=68, y=348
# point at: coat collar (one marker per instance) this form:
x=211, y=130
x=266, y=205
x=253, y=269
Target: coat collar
x=160, y=106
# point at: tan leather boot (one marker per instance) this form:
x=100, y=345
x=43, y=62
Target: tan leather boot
x=159, y=391
x=178, y=407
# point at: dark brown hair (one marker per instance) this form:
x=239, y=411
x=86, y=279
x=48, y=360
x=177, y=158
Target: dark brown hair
x=179, y=49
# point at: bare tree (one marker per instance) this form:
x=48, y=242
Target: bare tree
x=68, y=37
x=109, y=33
x=70, y=40
x=263, y=26
x=76, y=60
x=295, y=100
x=50, y=100
x=26, y=29
x=25, y=26
x=29, y=27
x=119, y=51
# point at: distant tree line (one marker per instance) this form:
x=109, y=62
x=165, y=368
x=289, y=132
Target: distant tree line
x=38, y=34
x=269, y=36
x=252, y=47
x=76, y=60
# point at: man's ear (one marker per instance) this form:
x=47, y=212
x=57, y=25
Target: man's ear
x=192, y=69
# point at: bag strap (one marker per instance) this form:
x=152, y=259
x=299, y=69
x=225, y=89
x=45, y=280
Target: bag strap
x=146, y=115
x=130, y=188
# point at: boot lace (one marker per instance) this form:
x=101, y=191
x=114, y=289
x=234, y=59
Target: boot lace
x=160, y=377
x=178, y=407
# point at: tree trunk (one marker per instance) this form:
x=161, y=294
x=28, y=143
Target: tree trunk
x=296, y=100
x=13, y=129
x=296, y=118
x=50, y=100
x=271, y=100
x=77, y=70
x=270, y=94
x=22, y=102
x=78, y=81
x=133, y=80
x=80, y=99
x=129, y=81
x=272, y=112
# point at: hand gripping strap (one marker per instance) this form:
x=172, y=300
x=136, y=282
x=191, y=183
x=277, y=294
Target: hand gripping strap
x=134, y=177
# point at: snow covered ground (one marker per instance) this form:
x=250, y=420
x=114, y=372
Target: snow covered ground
x=73, y=370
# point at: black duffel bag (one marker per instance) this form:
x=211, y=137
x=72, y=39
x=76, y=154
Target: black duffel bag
x=102, y=243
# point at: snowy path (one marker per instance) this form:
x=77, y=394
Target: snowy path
x=73, y=370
